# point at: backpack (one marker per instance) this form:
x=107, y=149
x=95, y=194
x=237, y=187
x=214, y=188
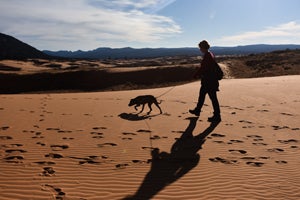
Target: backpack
x=218, y=71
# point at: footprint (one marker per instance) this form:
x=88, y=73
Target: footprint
x=217, y=135
x=288, y=141
x=149, y=148
x=259, y=144
x=99, y=128
x=128, y=133
x=68, y=138
x=122, y=166
x=236, y=141
x=254, y=136
x=223, y=160
x=287, y=114
x=138, y=161
x=245, y=121
x=59, y=147
x=14, y=158
x=219, y=142
x=106, y=144
x=281, y=161
x=40, y=143
x=155, y=137
x=177, y=131
x=248, y=158
x=89, y=159
x=60, y=195
x=3, y=128
x=53, y=155
x=295, y=129
x=15, y=150
x=45, y=163
x=262, y=110
x=240, y=151
x=255, y=164
x=276, y=150
x=48, y=171
x=143, y=131
x=52, y=129
x=5, y=137
x=280, y=127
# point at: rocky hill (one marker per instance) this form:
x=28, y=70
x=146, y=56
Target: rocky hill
x=12, y=48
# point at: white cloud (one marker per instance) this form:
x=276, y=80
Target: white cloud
x=288, y=33
x=85, y=24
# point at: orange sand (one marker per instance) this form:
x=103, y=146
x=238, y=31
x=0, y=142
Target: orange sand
x=77, y=146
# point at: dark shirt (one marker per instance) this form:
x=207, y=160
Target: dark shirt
x=206, y=72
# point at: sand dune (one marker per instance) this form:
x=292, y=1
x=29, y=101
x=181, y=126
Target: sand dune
x=93, y=146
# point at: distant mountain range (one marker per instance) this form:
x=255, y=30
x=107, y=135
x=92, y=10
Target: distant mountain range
x=12, y=48
x=110, y=53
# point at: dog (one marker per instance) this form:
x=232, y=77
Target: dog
x=142, y=100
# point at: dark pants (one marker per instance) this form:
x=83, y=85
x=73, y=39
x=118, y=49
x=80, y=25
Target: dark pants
x=213, y=97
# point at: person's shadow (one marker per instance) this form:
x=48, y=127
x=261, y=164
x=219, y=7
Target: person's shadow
x=166, y=167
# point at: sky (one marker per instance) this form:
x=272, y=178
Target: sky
x=90, y=24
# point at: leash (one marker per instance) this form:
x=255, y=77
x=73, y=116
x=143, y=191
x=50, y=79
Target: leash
x=166, y=92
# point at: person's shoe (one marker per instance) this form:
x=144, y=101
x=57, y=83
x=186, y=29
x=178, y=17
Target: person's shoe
x=195, y=112
x=214, y=118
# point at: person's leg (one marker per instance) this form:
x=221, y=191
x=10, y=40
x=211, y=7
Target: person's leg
x=200, y=102
x=214, y=99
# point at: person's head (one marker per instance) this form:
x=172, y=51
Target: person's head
x=204, y=46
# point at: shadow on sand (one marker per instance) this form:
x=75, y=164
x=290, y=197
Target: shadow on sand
x=166, y=167
x=135, y=117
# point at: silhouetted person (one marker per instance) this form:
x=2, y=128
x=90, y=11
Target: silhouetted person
x=209, y=83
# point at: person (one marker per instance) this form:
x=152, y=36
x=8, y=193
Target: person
x=209, y=83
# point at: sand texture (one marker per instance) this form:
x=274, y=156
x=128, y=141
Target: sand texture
x=91, y=146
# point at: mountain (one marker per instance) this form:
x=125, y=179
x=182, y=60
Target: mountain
x=127, y=52
x=12, y=48
x=117, y=53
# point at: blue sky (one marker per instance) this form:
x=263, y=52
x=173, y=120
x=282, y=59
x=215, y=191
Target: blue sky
x=89, y=24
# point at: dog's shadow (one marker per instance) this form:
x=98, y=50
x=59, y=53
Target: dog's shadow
x=135, y=116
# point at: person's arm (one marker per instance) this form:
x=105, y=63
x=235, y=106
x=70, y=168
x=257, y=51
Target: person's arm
x=205, y=65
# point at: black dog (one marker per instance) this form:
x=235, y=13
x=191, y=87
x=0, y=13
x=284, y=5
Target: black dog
x=142, y=100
